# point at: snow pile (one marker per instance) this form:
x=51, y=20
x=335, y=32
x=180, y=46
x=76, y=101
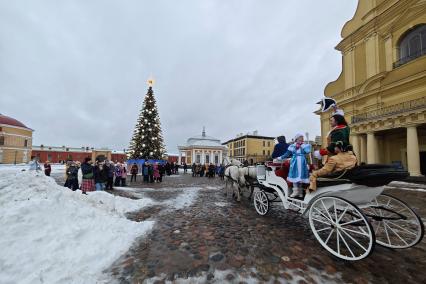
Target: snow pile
x=50, y=234
x=185, y=199
x=310, y=275
x=9, y=168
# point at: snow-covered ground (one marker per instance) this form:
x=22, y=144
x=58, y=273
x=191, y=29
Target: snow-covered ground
x=220, y=276
x=8, y=168
x=50, y=234
x=186, y=197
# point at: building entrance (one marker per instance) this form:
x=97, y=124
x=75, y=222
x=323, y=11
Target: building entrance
x=423, y=163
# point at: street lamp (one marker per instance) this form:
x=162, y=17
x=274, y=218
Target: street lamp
x=16, y=153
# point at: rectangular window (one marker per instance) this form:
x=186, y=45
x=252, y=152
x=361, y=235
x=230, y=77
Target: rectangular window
x=198, y=158
x=49, y=157
x=207, y=159
x=263, y=152
x=26, y=143
x=263, y=143
x=269, y=143
x=1, y=140
x=269, y=152
x=216, y=159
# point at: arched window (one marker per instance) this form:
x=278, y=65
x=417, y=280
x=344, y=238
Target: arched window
x=412, y=45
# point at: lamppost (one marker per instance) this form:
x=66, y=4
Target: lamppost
x=16, y=153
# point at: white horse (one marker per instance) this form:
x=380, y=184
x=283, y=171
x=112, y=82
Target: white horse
x=232, y=175
x=247, y=176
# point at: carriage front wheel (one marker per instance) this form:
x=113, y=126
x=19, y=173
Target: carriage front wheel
x=341, y=228
x=261, y=202
x=395, y=224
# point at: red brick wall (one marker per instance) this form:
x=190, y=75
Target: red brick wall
x=118, y=157
x=56, y=156
x=172, y=159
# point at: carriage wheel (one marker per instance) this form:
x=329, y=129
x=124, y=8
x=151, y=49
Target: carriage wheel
x=261, y=202
x=341, y=228
x=395, y=224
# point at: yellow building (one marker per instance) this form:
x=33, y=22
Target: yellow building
x=251, y=148
x=15, y=141
x=382, y=86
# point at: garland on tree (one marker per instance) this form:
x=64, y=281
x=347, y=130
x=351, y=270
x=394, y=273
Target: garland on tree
x=147, y=140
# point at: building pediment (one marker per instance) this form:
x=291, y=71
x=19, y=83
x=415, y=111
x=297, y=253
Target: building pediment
x=408, y=14
x=372, y=83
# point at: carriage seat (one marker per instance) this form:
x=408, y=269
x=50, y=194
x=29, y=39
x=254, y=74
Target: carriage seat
x=369, y=175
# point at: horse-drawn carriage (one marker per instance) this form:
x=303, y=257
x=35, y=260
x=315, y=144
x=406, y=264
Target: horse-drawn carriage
x=349, y=213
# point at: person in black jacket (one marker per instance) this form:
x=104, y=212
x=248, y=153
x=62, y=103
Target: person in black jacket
x=133, y=171
x=88, y=183
x=110, y=168
x=47, y=168
x=161, y=171
x=100, y=176
x=280, y=148
x=72, y=177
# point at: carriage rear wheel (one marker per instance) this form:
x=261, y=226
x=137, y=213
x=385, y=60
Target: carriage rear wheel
x=341, y=228
x=395, y=224
x=261, y=202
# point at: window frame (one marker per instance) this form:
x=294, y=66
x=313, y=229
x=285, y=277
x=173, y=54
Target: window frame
x=406, y=43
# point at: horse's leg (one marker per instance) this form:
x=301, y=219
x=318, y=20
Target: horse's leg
x=238, y=193
x=251, y=192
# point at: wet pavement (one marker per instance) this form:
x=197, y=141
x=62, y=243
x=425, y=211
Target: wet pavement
x=213, y=239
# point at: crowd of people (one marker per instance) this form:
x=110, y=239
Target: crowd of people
x=207, y=170
x=102, y=175
x=337, y=156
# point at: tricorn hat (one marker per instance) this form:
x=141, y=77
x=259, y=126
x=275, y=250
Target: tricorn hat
x=327, y=103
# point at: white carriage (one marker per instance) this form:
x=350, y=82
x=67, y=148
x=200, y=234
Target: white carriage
x=347, y=218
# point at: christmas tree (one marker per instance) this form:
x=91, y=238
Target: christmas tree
x=147, y=141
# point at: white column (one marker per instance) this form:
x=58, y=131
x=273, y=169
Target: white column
x=413, y=156
x=220, y=157
x=371, y=148
x=202, y=157
x=180, y=158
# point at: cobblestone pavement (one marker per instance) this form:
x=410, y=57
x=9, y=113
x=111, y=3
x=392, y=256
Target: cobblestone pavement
x=217, y=240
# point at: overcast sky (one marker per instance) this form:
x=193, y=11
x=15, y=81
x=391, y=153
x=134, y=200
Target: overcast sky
x=76, y=71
